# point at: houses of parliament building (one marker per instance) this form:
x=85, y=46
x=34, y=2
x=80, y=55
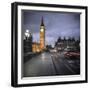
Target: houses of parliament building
x=30, y=46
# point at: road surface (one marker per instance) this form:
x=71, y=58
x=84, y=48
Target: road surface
x=49, y=64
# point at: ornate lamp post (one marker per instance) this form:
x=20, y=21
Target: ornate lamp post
x=27, y=34
x=28, y=41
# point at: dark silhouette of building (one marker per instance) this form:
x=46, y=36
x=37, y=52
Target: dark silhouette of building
x=28, y=42
x=61, y=44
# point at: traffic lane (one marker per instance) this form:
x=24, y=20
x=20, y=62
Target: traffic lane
x=39, y=66
x=74, y=63
x=63, y=67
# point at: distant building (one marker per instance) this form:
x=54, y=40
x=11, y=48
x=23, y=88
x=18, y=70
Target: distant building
x=65, y=43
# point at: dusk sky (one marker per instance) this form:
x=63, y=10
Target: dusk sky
x=56, y=24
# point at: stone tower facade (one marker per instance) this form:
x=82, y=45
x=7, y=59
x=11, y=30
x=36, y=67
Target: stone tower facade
x=42, y=35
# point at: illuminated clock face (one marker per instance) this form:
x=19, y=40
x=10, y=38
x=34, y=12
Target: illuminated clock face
x=42, y=30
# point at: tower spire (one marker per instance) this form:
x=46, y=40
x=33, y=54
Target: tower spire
x=42, y=35
x=42, y=23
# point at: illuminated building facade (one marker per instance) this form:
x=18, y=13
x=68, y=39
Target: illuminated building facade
x=39, y=47
x=36, y=47
x=42, y=35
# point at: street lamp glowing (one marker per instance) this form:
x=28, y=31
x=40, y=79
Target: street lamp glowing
x=27, y=31
x=27, y=34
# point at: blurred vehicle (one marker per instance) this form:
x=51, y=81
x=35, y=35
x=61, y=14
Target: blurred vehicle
x=72, y=53
x=53, y=50
x=60, y=49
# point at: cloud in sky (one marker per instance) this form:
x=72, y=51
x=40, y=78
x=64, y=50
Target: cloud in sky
x=56, y=24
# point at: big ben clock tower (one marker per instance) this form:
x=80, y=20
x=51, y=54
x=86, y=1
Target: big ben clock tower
x=42, y=35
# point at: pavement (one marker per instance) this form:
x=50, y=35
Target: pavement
x=50, y=64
